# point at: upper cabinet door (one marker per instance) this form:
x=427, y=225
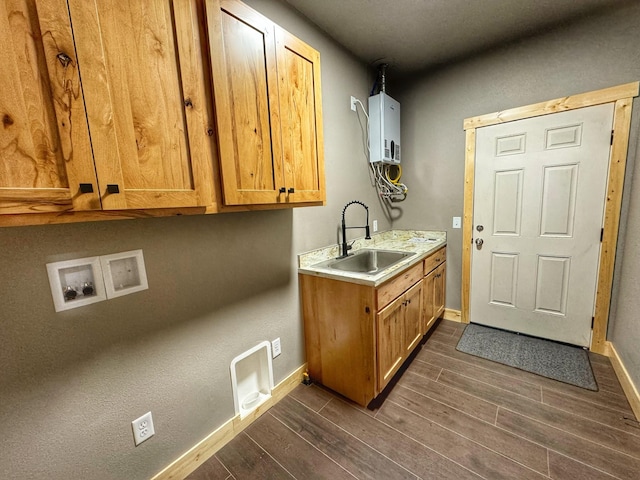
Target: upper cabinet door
x=45, y=152
x=147, y=144
x=301, y=118
x=245, y=86
x=266, y=85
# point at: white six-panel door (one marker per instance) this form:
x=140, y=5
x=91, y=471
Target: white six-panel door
x=539, y=198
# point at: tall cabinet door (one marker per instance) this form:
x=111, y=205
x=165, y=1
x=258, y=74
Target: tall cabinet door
x=45, y=152
x=301, y=118
x=428, y=304
x=245, y=86
x=133, y=84
x=439, y=289
x=390, y=341
x=413, y=317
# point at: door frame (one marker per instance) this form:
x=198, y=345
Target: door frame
x=622, y=97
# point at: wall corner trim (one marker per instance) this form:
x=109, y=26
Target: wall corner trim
x=208, y=446
x=627, y=384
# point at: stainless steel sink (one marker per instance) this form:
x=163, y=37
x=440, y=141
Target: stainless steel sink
x=366, y=261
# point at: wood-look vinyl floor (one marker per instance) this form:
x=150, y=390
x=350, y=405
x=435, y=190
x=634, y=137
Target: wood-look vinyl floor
x=449, y=416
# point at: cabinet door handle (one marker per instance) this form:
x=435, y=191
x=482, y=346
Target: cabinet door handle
x=113, y=188
x=86, y=188
x=292, y=190
x=282, y=190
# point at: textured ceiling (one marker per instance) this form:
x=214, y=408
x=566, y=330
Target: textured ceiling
x=413, y=35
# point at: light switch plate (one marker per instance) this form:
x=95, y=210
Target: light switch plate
x=276, y=348
x=457, y=222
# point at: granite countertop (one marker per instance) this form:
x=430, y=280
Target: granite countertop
x=420, y=242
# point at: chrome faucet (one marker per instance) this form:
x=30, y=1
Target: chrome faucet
x=344, y=247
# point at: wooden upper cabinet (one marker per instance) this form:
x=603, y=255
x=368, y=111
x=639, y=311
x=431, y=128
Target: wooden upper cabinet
x=45, y=152
x=143, y=106
x=266, y=86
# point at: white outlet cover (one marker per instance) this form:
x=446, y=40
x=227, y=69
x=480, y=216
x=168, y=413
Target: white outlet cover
x=142, y=428
x=375, y=225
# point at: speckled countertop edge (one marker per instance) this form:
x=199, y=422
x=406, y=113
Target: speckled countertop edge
x=421, y=242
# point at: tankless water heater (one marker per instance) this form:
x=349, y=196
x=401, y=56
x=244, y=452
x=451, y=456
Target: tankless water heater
x=384, y=129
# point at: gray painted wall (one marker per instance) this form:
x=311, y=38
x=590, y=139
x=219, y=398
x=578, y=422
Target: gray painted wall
x=592, y=54
x=72, y=382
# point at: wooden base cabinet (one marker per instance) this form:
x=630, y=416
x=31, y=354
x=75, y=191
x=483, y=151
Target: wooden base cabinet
x=357, y=337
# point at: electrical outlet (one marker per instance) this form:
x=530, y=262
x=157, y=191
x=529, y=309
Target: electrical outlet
x=353, y=103
x=457, y=222
x=276, y=348
x=375, y=225
x=142, y=428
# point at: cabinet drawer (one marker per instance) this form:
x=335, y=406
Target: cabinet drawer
x=435, y=259
x=397, y=286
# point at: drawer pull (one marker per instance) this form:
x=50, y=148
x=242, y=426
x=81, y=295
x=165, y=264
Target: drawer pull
x=86, y=188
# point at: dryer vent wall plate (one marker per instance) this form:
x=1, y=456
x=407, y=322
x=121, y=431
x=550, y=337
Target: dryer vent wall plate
x=124, y=273
x=252, y=378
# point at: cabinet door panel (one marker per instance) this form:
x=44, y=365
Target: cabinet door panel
x=429, y=316
x=44, y=140
x=439, y=290
x=413, y=318
x=301, y=108
x=390, y=341
x=135, y=103
x=243, y=63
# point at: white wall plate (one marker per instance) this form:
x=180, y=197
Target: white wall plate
x=75, y=283
x=124, y=273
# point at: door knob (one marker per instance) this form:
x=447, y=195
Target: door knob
x=479, y=242
x=479, y=228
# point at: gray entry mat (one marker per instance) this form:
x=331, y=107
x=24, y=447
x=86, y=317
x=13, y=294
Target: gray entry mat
x=558, y=361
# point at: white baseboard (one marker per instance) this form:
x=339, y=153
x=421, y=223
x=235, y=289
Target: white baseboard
x=207, y=447
x=629, y=388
